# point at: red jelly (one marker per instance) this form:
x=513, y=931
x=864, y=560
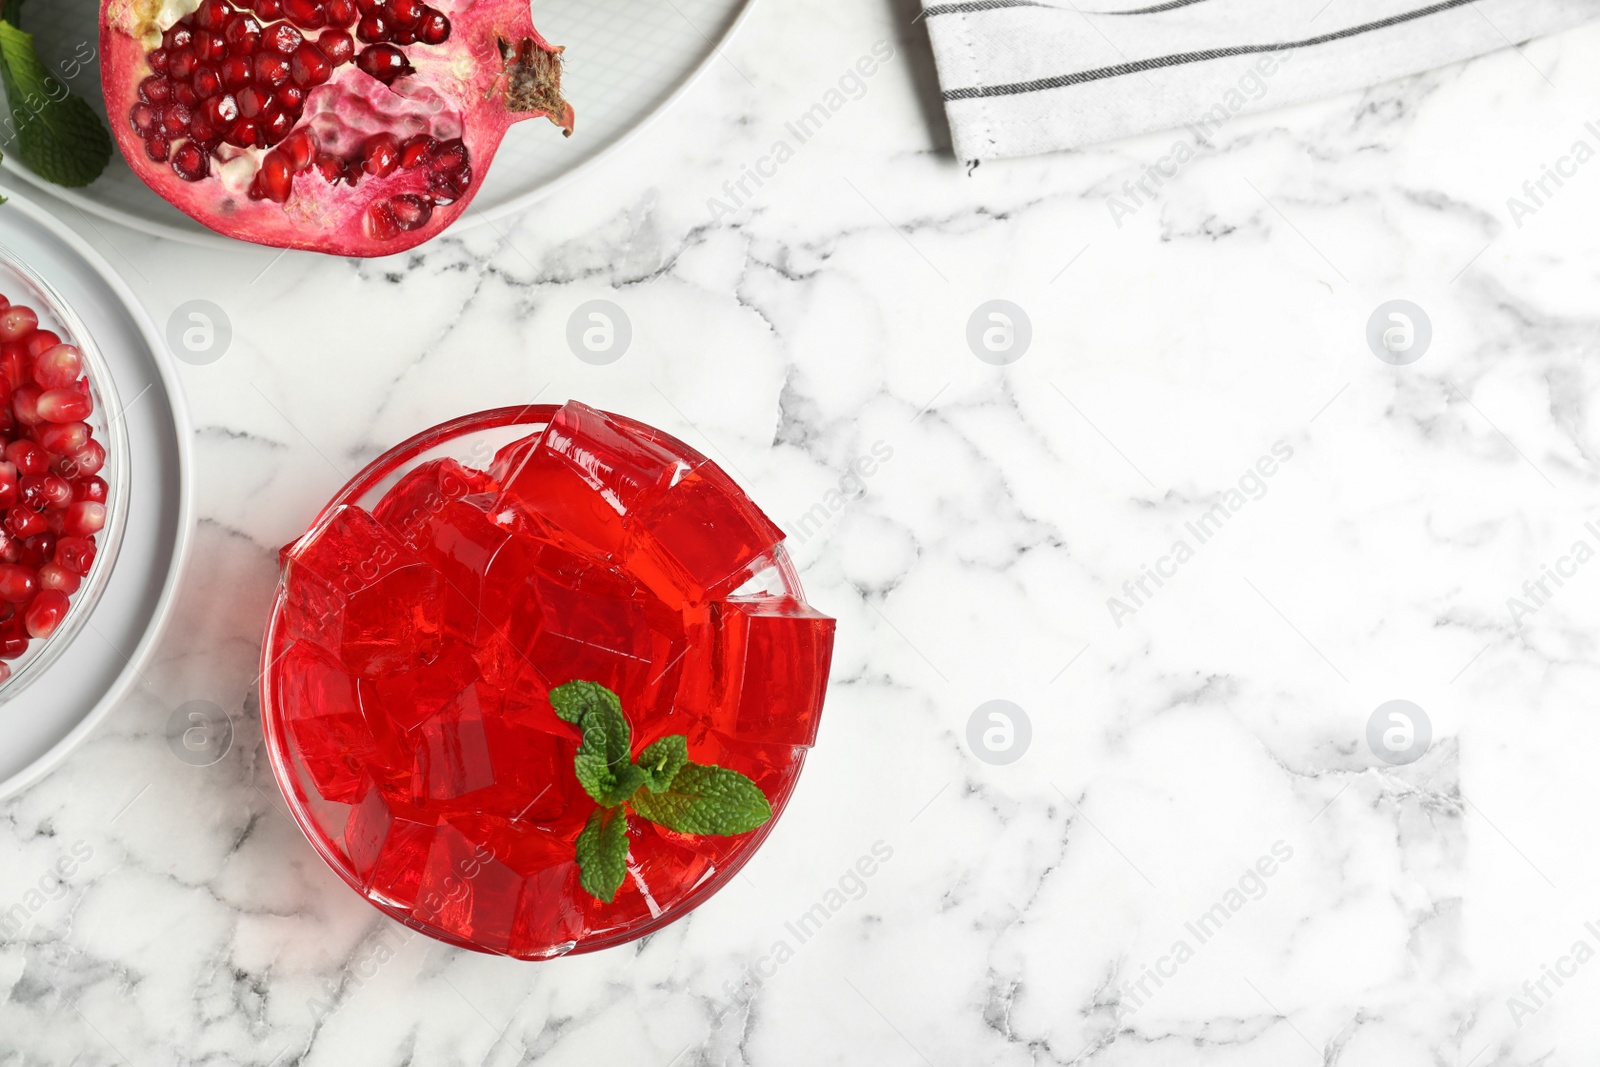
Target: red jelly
x=423, y=620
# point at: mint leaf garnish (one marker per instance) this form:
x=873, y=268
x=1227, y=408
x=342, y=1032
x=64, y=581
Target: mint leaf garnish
x=706, y=800
x=602, y=765
x=58, y=135
x=663, y=787
x=662, y=760
x=603, y=853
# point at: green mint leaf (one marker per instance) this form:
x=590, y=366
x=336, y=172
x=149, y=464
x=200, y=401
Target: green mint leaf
x=58, y=135
x=603, y=764
x=603, y=853
x=706, y=800
x=662, y=760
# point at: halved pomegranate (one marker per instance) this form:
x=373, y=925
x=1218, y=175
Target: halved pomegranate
x=353, y=127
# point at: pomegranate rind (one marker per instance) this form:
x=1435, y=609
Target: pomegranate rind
x=496, y=70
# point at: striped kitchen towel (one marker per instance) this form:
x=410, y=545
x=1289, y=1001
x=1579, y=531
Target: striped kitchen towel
x=1027, y=76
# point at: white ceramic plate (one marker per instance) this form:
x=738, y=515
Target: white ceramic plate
x=625, y=61
x=58, y=709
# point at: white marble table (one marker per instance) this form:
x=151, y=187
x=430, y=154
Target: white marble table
x=1210, y=728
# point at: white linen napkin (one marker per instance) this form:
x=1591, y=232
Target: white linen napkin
x=1027, y=76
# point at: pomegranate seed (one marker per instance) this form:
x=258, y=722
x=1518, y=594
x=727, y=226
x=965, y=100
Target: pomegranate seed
x=179, y=36
x=143, y=117
x=290, y=97
x=310, y=66
x=14, y=638
x=243, y=33
x=434, y=28
x=384, y=62
x=24, y=522
x=62, y=438
x=406, y=12
x=155, y=90
x=411, y=211
x=380, y=223
x=416, y=151
x=276, y=177
x=380, y=155
x=37, y=550
x=84, y=462
x=157, y=60
x=212, y=14
x=331, y=168
x=18, y=584
x=39, y=340
x=210, y=47
x=17, y=322
x=58, y=365
x=235, y=71
x=308, y=13
x=300, y=149
x=14, y=361
x=83, y=518
x=271, y=69
x=46, y=612
x=175, y=120
x=182, y=65
x=8, y=484
x=448, y=156
x=190, y=164
x=281, y=38
x=342, y=14
x=40, y=491
x=450, y=185
x=338, y=46
x=75, y=554
x=55, y=576
x=203, y=134
x=243, y=134
x=221, y=111
x=61, y=405
x=252, y=101
x=373, y=28
x=276, y=127
x=25, y=404
x=367, y=7
x=27, y=457
x=404, y=35
x=207, y=82
x=269, y=9
x=90, y=488
x=183, y=93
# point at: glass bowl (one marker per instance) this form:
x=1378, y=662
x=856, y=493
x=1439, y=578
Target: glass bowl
x=470, y=869
x=23, y=286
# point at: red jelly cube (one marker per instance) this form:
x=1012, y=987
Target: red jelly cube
x=355, y=590
x=700, y=539
x=411, y=509
x=467, y=892
x=451, y=749
x=585, y=475
x=323, y=713
x=768, y=676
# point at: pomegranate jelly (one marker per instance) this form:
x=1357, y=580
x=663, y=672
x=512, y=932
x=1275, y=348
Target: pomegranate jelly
x=414, y=647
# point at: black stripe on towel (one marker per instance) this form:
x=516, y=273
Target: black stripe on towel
x=1061, y=81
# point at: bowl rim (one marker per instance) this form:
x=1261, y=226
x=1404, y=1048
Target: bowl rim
x=277, y=740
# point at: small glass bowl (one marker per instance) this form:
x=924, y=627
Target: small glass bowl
x=473, y=441
x=22, y=285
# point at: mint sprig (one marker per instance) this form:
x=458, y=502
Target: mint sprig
x=663, y=787
x=58, y=134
